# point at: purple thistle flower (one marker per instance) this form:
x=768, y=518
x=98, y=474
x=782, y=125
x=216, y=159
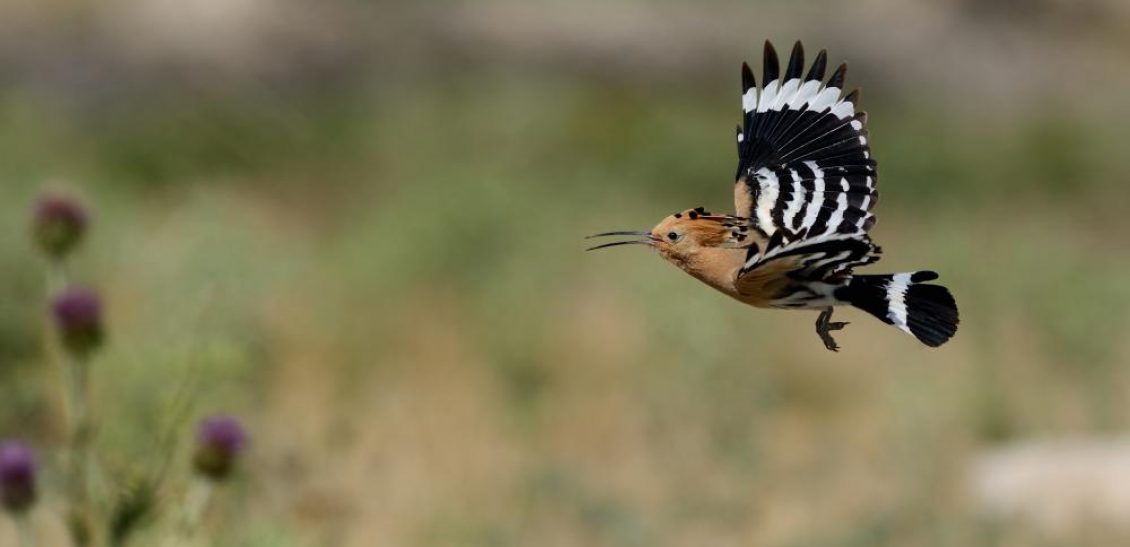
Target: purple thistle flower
x=78, y=316
x=59, y=225
x=17, y=476
x=219, y=442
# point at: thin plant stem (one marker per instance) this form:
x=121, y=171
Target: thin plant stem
x=78, y=425
x=24, y=532
x=56, y=277
x=78, y=441
x=184, y=397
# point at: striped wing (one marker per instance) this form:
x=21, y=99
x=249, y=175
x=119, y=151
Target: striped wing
x=806, y=272
x=825, y=257
x=804, y=164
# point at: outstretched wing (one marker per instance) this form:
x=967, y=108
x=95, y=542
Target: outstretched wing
x=804, y=164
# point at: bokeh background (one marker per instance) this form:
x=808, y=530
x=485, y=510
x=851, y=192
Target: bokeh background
x=358, y=226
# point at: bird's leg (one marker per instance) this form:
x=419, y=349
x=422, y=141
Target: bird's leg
x=824, y=325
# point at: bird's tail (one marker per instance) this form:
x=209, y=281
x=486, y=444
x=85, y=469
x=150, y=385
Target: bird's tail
x=928, y=312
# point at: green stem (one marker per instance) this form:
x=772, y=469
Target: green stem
x=78, y=441
x=78, y=426
x=56, y=278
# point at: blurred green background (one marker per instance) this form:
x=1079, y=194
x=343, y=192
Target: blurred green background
x=358, y=226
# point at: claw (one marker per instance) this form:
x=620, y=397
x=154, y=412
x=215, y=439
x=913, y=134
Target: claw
x=824, y=325
x=829, y=342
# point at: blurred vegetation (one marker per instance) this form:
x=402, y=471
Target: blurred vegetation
x=381, y=267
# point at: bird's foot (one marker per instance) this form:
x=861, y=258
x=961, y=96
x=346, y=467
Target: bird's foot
x=824, y=326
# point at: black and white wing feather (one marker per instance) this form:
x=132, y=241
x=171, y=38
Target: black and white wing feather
x=825, y=257
x=804, y=163
x=805, y=272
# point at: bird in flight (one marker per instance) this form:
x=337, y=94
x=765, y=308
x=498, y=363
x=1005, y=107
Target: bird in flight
x=806, y=184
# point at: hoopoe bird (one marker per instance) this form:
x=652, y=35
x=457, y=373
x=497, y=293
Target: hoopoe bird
x=806, y=184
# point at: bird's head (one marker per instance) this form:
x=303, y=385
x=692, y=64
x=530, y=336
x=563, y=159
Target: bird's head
x=680, y=237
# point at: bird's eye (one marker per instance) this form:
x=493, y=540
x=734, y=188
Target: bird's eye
x=673, y=236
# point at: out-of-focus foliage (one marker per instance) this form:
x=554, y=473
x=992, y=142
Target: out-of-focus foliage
x=360, y=226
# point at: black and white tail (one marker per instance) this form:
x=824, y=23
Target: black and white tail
x=904, y=300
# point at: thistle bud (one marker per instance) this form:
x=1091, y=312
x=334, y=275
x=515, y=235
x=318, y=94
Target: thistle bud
x=59, y=225
x=17, y=477
x=78, y=316
x=219, y=442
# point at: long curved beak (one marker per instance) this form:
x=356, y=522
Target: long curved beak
x=648, y=239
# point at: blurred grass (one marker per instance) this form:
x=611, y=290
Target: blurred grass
x=387, y=278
